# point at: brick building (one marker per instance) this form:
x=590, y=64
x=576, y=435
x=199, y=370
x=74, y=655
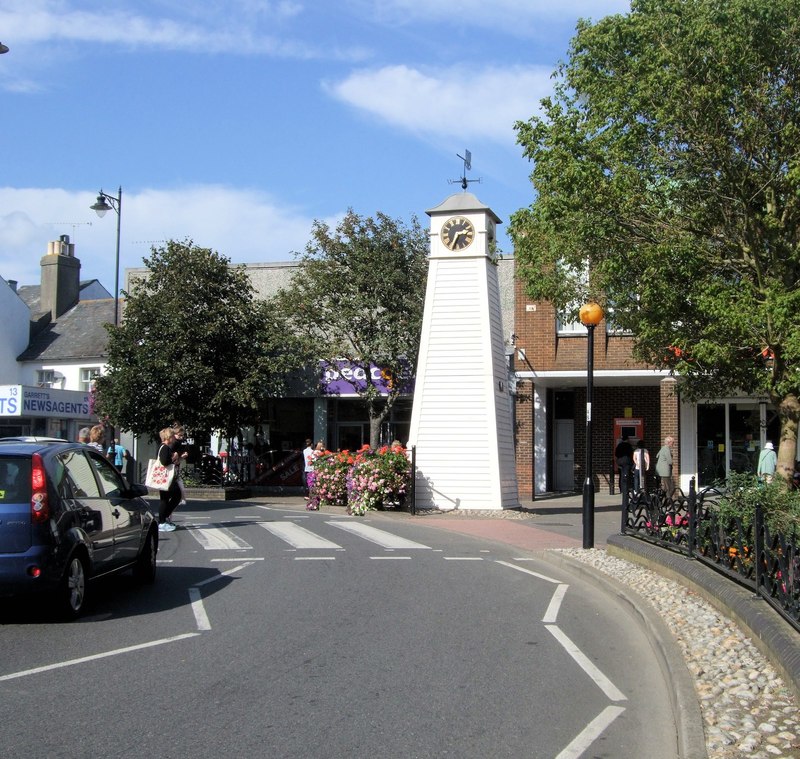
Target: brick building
x=548, y=364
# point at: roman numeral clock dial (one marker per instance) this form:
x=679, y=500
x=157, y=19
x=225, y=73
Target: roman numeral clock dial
x=457, y=233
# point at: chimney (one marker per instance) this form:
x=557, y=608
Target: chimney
x=61, y=277
x=12, y=283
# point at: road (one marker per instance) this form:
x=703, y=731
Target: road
x=277, y=632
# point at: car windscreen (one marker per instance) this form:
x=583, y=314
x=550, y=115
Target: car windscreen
x=15, y=479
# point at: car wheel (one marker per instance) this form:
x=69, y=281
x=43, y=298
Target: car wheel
x=145, y=568
x=72, y=592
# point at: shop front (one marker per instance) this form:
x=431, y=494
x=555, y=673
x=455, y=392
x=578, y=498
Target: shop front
x=43, y=411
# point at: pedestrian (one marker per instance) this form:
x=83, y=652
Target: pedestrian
x=119, y=454
x=624, y=455
x=83, y=435
x=182, y=449
x=96, y=435
x=308, y=466
x=767, y=463
x=641, y=463
x=664, y=465
x=169, y=498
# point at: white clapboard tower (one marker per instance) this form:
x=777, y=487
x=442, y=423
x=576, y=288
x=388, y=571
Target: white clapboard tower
x=461, y=423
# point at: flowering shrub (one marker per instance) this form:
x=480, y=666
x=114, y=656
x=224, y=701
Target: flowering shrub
x=365, y=481
x=327, y=483
x=377, y=478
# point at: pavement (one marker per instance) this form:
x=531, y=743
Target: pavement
x=555, y=521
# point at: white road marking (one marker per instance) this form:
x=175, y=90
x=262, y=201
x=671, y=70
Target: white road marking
x=463, y=558
x=198, y=609
x=315, y=558
x=529, y=572
x=583, y=662
x=297, y=536
x=219, y=576
x=390, y=558
x=591, y=733
x=551, y=614
x=374, y=535
x=249, y=559
x=215, y=538
x=95, y=657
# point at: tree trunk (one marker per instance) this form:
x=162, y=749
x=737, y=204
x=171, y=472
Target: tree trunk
x=375, y=431
x=789, y=414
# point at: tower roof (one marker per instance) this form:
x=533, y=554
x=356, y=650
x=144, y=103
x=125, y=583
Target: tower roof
x=462, y=202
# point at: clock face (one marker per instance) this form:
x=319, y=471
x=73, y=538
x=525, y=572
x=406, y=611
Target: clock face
x=457, y=233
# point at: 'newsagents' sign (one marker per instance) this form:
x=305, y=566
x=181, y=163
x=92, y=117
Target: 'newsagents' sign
x=22, y=400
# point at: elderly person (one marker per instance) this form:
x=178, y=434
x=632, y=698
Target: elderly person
x=664, y=465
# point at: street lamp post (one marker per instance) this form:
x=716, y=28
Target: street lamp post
x=104, y=204
x=590, y=315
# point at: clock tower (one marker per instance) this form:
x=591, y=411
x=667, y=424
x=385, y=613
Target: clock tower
x=461, y=422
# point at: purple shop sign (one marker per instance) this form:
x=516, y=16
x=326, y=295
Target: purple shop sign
x=347, y=378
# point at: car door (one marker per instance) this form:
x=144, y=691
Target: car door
x=126, y=512
x=81, y=489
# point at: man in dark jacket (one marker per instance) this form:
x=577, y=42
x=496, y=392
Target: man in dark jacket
x=624, y=455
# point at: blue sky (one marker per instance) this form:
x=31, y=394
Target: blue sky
x=236, y=123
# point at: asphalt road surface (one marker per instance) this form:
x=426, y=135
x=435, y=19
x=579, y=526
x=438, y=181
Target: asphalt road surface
x=275, y=632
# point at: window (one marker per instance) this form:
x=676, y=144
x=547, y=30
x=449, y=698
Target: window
x=79, y=475
x=567, y=326
x=45, y=377
x=112, y=485
x=87, y=379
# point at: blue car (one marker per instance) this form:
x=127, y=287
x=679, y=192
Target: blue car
x=68, y=516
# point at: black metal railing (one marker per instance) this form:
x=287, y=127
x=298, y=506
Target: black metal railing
x=745, y=550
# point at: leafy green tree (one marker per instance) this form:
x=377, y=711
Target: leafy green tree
x=194, y=346
x=667, y=162
x=358, y=296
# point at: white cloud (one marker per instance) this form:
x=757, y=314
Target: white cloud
x=458, y=102
x=243, y=225
x=234, y=28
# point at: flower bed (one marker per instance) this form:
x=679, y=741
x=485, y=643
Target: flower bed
x=363, y=481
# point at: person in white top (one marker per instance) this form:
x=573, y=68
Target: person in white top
x=641, y=463
x=308, y=465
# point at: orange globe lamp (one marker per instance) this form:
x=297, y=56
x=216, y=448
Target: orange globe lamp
x=591, y=314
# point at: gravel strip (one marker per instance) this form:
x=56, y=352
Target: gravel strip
x=747, y=709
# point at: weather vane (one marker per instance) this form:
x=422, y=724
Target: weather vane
x=464, y=182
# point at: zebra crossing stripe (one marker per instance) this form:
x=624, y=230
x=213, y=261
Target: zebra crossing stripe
x=374, y=535
x=297, y=536
x=216, y=538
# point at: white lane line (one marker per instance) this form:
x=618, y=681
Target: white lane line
x=216, y=538
x=529, y=572
x=463, y=558
x=198, y=609
x=95, y=657
x=219, y=576
x=374, y=535
x=249, y=559
x=591, y=733
x=297, y=536
x=551, y=614
x=315, y=558
x=389, y=558
x=583, y=662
